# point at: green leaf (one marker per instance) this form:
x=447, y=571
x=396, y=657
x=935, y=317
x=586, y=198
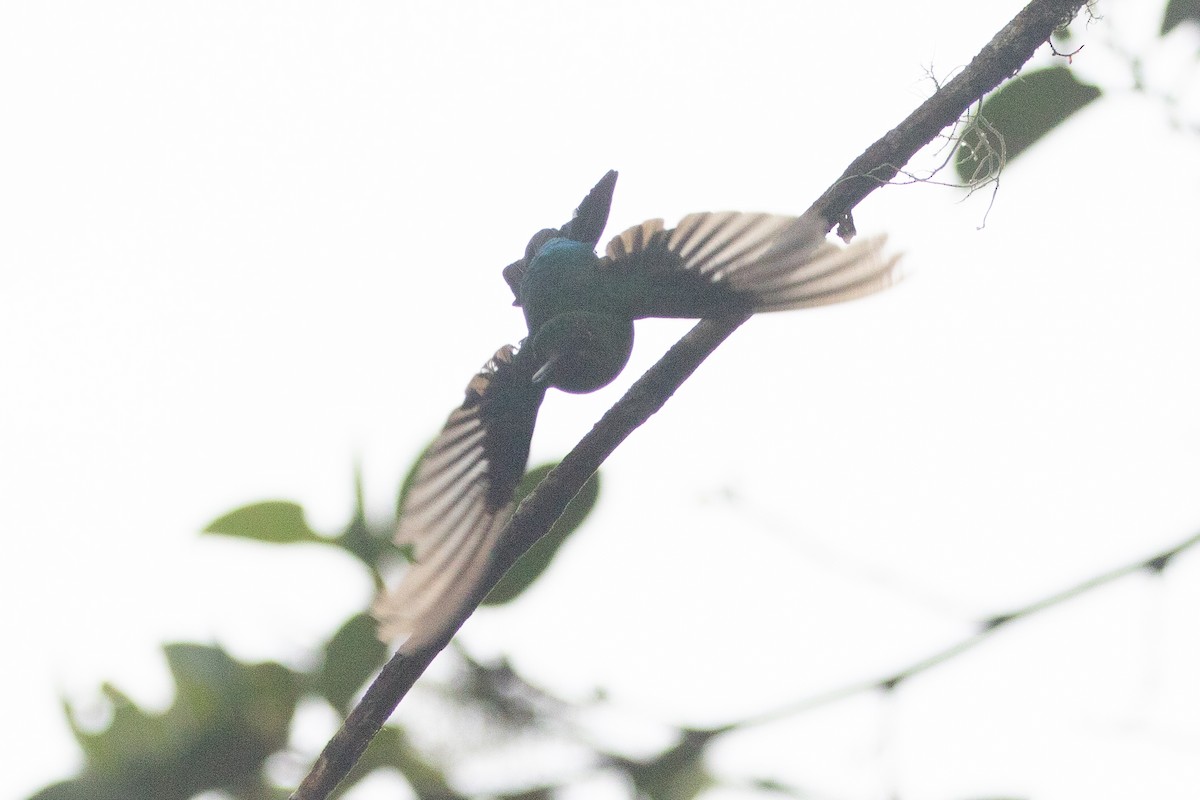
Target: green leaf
x=1016, y=116
x=81, y=788
x=253, y=701
x=227, y=718
x=534, y=562
x=274, y=521
x=359, y=538
x=678, y=773
x=1180, y=11
x=351, y=657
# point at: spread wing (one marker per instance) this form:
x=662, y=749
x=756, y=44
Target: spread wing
x=715, y=263
x=586, y=225
x=460, y=499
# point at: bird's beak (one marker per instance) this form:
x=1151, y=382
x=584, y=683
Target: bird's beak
x=544, y=370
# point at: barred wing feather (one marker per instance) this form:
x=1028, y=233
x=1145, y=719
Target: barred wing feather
x=728, y=262
x=460, y=500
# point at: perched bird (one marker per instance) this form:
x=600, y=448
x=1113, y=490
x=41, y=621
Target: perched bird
x=580, y=310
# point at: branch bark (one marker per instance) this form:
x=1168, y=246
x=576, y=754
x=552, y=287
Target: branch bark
x=998, y=60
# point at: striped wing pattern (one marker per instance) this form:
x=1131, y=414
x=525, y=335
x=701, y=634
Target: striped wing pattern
x=709, y=264
x=730, y=261
x=459, y=501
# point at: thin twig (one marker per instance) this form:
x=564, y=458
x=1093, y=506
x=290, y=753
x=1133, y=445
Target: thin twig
x=987, y=628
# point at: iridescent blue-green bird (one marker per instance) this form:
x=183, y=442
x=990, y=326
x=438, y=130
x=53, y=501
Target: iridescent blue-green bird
x=580, y=310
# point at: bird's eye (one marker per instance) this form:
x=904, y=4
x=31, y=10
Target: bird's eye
x=538, y=242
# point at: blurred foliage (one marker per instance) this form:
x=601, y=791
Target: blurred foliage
x=1179, y=11
x=1017, y=115
x=274, y=522
x=535, y=561
x=677, y=773
x=229, y=717
x=1023, y=111
x=352, y=656
x=283, y=522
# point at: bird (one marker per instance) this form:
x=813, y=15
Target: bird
x=580, y=310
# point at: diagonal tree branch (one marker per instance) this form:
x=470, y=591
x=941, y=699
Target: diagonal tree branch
x=998, y=60
x=1153, y=565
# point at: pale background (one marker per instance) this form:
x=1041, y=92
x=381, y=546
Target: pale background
x=244, y=246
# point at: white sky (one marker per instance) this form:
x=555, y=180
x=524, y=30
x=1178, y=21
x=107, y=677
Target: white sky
x=245, y=245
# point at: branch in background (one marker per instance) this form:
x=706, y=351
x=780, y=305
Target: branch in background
x=1154, y=565
x=1000, y=58
x=678, y=769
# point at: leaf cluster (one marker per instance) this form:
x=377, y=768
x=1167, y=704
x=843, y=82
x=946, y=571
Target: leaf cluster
x=229, y=717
